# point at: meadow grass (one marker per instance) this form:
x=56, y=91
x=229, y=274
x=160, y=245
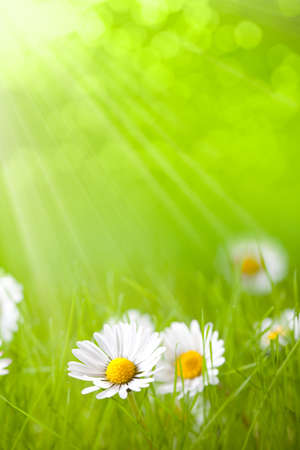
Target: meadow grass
x=256, y=405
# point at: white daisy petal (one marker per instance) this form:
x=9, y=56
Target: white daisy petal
x=152, y=360
x=136, y=317
x=80, y=376
x=11, y=293
x=92, y=371
x=123, y=391
x=110, y=392
x=94, y=351
x=143, y=320
x=4, y=363
x=266, y=323
x=89, y=389
x=10, y=289
x=102, y=383
x=109, y=350
x=135, y=385
x=218, y=361
x=88, y=359
x=146, y=348
x=166, y=388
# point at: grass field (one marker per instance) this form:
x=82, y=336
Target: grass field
x=137, y=138
x=256, y=404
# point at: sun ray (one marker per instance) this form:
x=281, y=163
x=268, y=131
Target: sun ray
x=51, y=185
x=234, y=72
x=127, y=147
x=205, y=178
x=53, y=191
x=140, y=138
x=131, y=154
x=22, y=220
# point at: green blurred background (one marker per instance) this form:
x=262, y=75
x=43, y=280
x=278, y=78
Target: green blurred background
x=139, y=135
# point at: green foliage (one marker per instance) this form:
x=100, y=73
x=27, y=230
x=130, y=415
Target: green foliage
x=257, y=400
x=136, y=137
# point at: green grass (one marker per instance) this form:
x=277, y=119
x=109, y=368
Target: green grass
x=256, y=404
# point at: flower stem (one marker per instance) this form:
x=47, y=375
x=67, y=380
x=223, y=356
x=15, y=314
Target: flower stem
x=138, y=415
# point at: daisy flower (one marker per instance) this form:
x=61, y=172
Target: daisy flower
x=123, y=360
x=260, y=264
x=4, y=363
x=11, y=293
x=192, y=355
x=276, y=329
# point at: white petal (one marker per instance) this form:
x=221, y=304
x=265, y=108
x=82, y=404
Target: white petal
x=110, y=392
x=123, y=391
x=103, y=384
x=89, y=389
x=135, y=385
x=166, y=388
x=4, y=363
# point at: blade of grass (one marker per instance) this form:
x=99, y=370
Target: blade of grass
x=278, y=372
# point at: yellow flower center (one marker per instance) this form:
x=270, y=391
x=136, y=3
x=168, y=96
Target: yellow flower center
x=189, y=364
x=279, y=331
x=120, y=370
x=250, y=266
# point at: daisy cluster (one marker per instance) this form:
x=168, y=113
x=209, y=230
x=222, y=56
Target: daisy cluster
x=129, y=354
x=258, y=265
x=11, y=293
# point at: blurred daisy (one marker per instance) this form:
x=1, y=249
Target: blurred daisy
x=260, y=263
x=4, y=363
x=133, y=315
x=200, y=411
x=192, y=355
x=276, y=330
x=124, y=359
x=11, y=293
x=10, y=289
x=9, y=316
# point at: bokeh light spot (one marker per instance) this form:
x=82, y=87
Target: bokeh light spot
x=248, y=35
